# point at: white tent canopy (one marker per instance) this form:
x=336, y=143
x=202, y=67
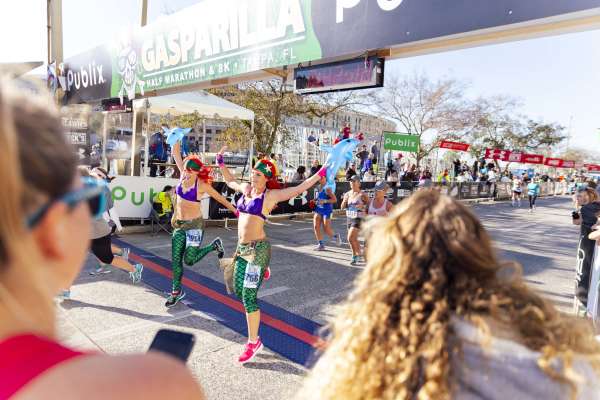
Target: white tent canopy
x=205, y=104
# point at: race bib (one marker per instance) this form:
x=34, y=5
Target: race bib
x=352, y=213
x=252, y=276
x=193, y=237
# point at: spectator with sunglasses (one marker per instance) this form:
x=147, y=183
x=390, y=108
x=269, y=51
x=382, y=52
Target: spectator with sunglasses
x=45, y=212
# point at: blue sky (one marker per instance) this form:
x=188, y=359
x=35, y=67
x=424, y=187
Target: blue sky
x=556, y=77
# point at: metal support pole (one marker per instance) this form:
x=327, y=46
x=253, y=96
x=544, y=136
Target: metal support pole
x=104, y=139
x=203, y=138
x=251, y=153
x=144, y=15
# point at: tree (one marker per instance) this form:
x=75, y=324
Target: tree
x=580, y=155
x=498, y=125
x=432, y=110
x=272, y=102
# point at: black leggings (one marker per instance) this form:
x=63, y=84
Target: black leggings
x=532, y=201
x=585, y=257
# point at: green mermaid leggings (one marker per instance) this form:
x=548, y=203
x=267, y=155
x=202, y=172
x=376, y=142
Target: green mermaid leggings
x=181, y=252
x=251, y=262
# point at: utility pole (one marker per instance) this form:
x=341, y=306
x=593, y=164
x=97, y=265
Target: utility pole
x=137, y=136
x=569, y=133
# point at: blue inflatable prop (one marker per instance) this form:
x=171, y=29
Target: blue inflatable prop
x=176, y=134
x=337, y=158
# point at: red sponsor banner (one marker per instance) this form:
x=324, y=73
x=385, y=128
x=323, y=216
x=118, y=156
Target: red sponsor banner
x=568, y=164
x=446, y=144
x=514, y=157
x=592, y=167
x=526, y=158
x=532, y=159
x=496, y=154
x=554, y=162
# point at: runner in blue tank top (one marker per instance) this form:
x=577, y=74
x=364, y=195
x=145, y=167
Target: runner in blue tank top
x=322, y=215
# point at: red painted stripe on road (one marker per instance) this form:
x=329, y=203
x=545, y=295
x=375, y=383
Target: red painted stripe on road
x=273, y=322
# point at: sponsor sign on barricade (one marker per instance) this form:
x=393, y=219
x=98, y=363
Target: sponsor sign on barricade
x=593, y=308
x=503, y=190
x=484, y=190
x=396, y=193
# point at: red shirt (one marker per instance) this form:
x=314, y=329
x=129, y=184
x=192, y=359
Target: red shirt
x=23, y=358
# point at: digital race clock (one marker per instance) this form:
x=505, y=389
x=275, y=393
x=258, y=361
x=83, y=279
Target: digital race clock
x=359, y=73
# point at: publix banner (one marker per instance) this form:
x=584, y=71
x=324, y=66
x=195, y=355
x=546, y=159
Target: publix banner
x=401, y=142
x=223, y=38
x=133, y=194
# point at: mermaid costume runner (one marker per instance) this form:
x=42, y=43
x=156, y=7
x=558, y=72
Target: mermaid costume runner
x=252, y=259
x=185, y=244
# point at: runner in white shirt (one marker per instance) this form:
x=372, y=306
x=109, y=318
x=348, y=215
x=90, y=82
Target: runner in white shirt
x=379, y=205
x=517, y=191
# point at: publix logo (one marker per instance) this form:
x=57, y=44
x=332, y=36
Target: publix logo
x=89, y=75
x=119, y=193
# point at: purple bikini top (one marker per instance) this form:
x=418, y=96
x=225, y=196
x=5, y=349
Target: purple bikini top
x=191, y=195
x=253, y=207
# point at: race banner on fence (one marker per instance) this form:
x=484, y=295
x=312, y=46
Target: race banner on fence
x=496, y=154
x=592, y=167
x=457, y=146
x=568, y=164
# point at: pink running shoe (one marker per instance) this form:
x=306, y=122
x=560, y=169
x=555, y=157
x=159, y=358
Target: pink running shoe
x=267, y=274
x=250, y=351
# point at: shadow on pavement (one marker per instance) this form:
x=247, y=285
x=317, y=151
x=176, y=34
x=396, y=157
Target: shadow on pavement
x=284, y=368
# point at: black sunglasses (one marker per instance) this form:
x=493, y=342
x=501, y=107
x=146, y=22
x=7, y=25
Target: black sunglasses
x=92, y=192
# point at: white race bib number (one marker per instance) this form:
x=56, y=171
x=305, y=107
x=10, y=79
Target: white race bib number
x=252, y=276
x=352, y=214
x=193, y=237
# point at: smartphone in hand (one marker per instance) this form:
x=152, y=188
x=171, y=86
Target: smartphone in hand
x=177, y=344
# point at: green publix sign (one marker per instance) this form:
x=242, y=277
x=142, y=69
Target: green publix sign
x=400, y=142
x=216, y=39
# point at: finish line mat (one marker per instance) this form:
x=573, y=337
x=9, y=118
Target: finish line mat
x=288, y=334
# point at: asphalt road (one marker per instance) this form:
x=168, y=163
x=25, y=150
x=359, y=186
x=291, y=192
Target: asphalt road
x=109, y=314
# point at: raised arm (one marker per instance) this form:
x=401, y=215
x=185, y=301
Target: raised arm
x=291, y=192
x=344, y=204
x=176, y=150
x=227, y=176
x=208, y=189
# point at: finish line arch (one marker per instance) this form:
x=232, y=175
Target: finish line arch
x=223, y=42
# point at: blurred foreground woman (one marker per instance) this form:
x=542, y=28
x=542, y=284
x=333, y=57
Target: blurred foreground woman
x=45, y=216
x=435, y=315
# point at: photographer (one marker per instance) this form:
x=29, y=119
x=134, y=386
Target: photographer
x=586, y=217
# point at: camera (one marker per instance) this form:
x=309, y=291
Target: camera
x=575, y=215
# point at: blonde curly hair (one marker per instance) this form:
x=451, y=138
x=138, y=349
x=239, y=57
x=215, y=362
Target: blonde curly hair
x=433, y=260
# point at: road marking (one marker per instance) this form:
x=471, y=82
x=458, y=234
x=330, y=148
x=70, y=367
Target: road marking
x=109, y=333
x=268, y=292
x=160, y=246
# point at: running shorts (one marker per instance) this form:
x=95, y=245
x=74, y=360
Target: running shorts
x=323, y=213
x=102, y=250
x=355, y=222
